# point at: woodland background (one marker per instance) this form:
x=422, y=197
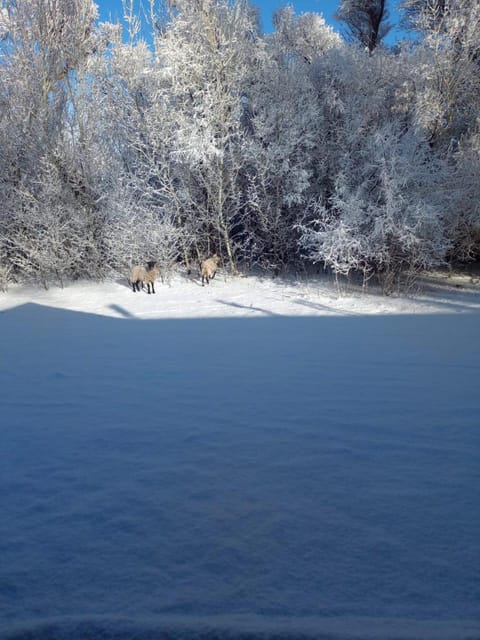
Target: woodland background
x=278, y=151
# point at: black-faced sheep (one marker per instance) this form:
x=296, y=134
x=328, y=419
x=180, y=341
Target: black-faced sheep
x=140, y=275
x=208, y=268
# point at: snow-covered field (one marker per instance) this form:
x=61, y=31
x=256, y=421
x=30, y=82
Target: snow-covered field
x=252, y=459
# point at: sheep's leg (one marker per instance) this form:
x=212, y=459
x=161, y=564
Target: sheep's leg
x=213, y=275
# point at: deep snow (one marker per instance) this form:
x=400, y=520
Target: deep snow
x=251, y=459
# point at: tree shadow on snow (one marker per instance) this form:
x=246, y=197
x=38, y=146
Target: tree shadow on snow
x=237, y=305
x=121, y=311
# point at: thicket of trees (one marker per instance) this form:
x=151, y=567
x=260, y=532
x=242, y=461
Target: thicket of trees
x=275, y=150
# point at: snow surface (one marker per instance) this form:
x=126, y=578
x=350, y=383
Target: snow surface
x=251, y=459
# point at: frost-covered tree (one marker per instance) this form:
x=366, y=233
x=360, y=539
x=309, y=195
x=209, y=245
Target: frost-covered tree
x=284, y=139
x=125, y=87
x=206, y=56
x=378, y=205
x=356, y=95
x=142, y=216
x=446, y=80
x=46, y=43
x=462, y=200
x=285, y=134
x=447, y=69
x=424, y=15
x=305, y=36
x=366, y=21
x=382, y=218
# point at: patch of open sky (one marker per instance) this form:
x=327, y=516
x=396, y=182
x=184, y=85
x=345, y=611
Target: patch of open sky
x=112, y=10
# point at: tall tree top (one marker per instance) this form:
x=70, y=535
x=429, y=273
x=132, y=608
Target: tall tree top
x=365, y=21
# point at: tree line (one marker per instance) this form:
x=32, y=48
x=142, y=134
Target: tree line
x=275, y=151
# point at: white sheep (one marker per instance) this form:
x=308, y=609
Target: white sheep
x=208, y=268
x=140, y=275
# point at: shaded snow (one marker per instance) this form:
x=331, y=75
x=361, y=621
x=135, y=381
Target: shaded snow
x=253, y=459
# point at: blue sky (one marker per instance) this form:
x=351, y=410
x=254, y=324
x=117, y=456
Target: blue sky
x=113, y=9
x=267, y=7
